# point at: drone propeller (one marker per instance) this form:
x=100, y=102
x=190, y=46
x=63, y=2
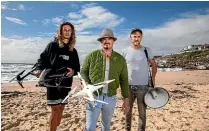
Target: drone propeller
x=17, y=76
x=70, y=93
x=43, y=81
x=103, y=83
x=20, y=83
x=20, y=79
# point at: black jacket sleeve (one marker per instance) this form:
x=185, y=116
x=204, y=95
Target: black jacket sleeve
x=43, y=61
x=77, y=63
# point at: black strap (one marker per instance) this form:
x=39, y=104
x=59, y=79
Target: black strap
x=145, y=51
x=151, y=82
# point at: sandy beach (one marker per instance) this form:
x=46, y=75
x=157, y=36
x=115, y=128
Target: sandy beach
x=188, y=108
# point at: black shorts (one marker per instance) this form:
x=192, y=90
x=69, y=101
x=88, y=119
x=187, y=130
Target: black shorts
x=55, y=95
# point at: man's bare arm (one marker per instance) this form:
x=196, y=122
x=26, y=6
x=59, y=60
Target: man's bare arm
x=154, y=69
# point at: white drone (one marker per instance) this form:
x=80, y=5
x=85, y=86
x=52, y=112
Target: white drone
x=87, y=91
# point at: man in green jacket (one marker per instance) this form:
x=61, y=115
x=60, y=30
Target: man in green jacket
x=101, y=65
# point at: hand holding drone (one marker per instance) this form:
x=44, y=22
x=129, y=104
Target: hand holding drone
x=46, y=76
x=88, y=90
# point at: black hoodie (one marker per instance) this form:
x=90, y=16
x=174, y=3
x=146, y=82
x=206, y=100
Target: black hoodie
x=55, y=57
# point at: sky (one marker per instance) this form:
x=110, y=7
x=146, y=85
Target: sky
x=27, y=27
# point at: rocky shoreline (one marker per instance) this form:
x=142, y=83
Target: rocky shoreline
x=189, y=60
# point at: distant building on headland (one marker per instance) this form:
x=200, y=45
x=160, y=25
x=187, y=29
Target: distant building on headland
x=195, y=48
x=190, y=48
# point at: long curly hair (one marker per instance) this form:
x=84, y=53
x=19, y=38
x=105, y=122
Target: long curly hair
x=72, y=39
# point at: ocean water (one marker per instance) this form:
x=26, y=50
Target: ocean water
x=9, y=71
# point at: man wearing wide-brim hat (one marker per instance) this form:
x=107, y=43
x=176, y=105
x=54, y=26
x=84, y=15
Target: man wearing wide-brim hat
x=107, y=33
x=101, y=65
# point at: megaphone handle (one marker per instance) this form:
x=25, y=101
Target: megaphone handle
x=150, y=75
x=153, y=93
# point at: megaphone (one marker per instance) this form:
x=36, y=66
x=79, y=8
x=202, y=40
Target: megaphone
x=156, y=97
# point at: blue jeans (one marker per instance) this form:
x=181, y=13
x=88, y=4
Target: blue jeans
x=93, y=111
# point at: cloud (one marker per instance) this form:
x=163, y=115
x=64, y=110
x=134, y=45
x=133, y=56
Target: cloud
x=57, y=20
x=75, y=15
x=15, y=20
x=91, y=16
x=35, y=20
x=193, y=13
x=168, y=38
x=88, y=17
x=89, y=5
x=17, y=49
x=4, y=6
x=46, y=21
x=21, y=7
x=174, y=35
x=44, y=34
x=85, y=33
x=74, y=5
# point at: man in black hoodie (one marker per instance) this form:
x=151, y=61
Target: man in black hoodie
x=59, y=54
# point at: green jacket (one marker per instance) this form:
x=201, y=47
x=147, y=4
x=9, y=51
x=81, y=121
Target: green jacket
x=93, y=71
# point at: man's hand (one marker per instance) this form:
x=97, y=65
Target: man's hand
x=37, y=73
x=70, y=72
x=153, y=79
x=125, y=107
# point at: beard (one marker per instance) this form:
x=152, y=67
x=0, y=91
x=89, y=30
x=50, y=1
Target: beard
x=136, y=43
x=106, y=46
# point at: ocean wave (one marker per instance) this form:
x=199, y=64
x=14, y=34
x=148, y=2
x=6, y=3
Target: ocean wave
x=9, y=71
